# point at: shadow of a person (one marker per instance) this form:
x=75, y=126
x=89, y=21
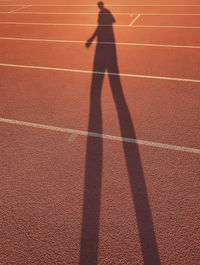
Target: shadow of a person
x=106, y=59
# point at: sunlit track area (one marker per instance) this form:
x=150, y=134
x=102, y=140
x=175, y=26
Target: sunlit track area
x=99, y=132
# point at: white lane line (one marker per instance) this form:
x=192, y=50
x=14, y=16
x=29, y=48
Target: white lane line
x=72, y=137
x=157, y=26
x=109, y=43
x=57, y=24
x=96, y=5
x=96, y=13
x=100, y=73
x=11, y=12
x=66, y=13
x=99, y=135
x=134, y=20
x=95, y=25
x=164, y=14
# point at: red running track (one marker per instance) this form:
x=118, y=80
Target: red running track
x=74, y=199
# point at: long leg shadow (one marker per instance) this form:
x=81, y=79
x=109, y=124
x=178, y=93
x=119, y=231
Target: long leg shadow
x=106, y=59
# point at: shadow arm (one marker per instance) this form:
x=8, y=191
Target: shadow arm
x=90, y=40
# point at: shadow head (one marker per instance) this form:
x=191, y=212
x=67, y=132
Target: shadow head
x=100, y=5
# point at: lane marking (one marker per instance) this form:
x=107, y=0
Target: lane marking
x=57, y=24
x=96, y=5
x=134, y=20
x=96, y=13
x=176, y=27
x=104, y=136
x=65, y=13
x=109, y=43
x=95, y=25
x=162, y=14
x=100, y=73
x=72, y=137
x=12, y=12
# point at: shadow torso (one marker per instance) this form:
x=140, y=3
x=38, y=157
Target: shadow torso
x=105, y=57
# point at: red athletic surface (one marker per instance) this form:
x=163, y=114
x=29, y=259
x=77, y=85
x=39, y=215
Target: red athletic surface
x=90, y=200
x=137, y=35
x=117, y=9
x=57, y=55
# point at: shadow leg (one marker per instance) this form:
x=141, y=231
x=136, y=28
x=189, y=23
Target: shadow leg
x=136, y=176
x=93, y=175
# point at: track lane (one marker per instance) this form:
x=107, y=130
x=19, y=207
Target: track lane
x=121, y=9
x=162, y=111
x=129, y=34
x=42, y=200
x=179, y=63
x=65, y=19
x=166, y=20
